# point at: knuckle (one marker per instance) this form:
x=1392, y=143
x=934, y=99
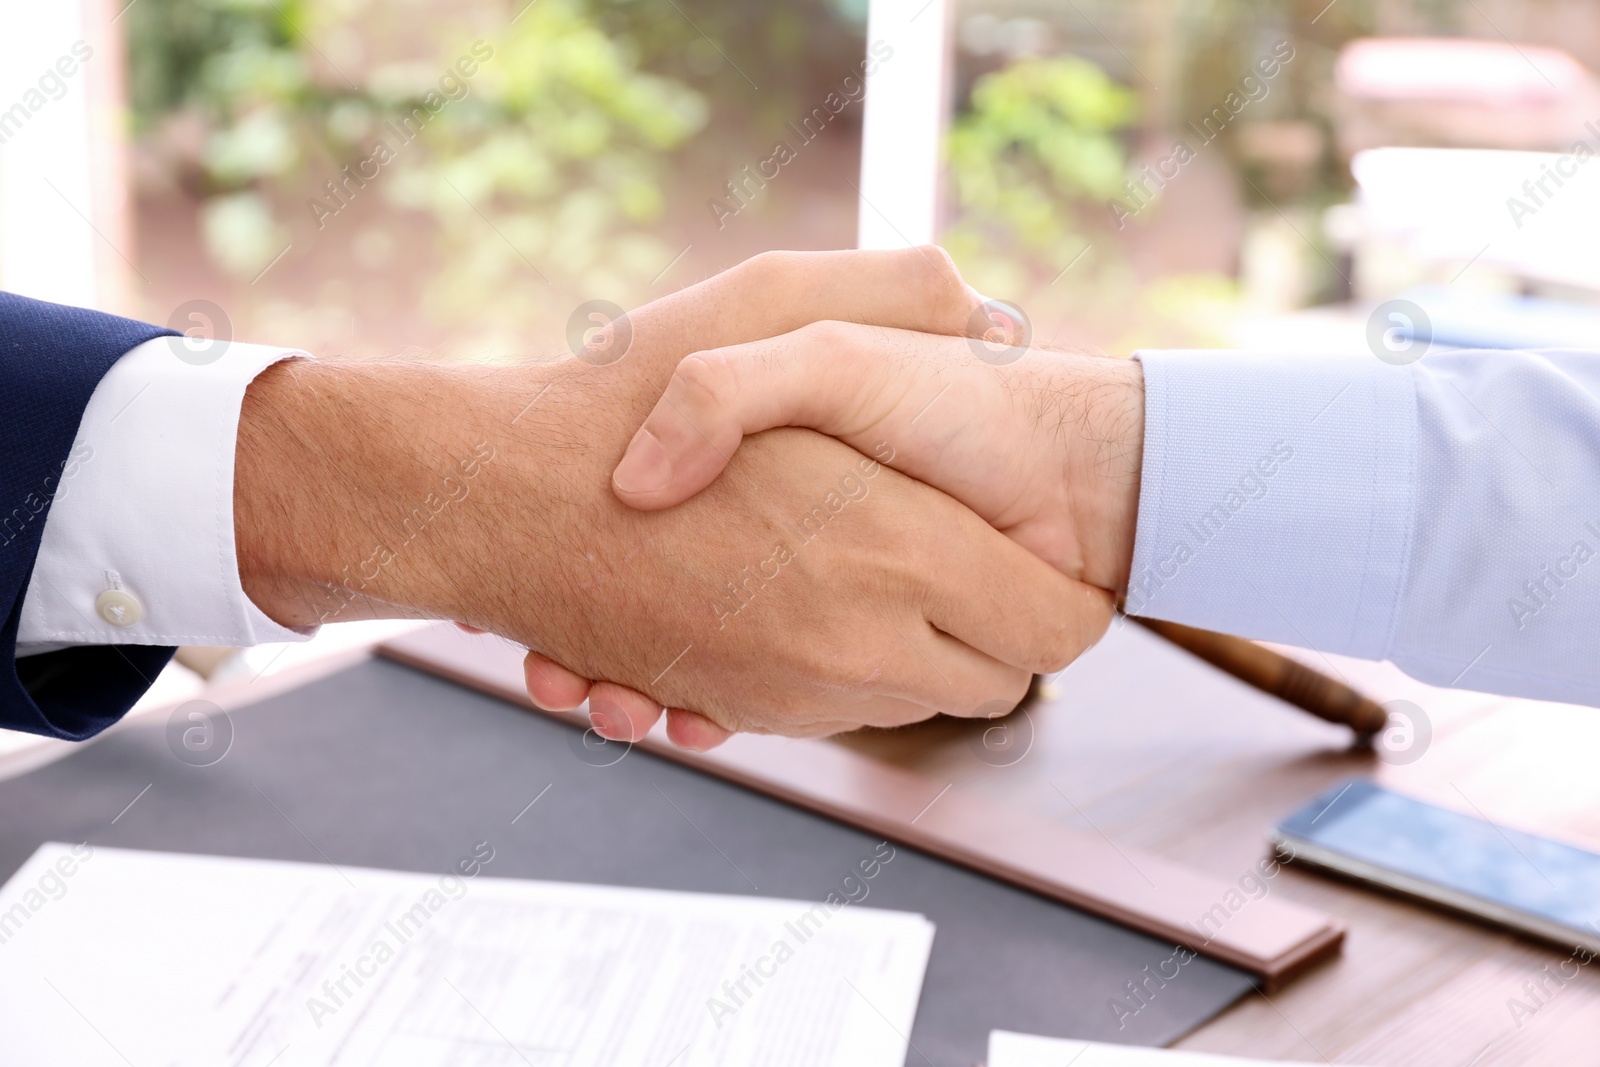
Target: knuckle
x=1073, y=631
x=984, y=696
x=706, y=379
x=939, y=259
x=829, y=335
x=862, y=664
x=942, y=287
x=1058, y=647
x=1009, y=694
x=769, y=268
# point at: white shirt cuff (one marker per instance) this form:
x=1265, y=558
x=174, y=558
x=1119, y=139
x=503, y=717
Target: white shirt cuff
x=1277, y=496
x=138, y=547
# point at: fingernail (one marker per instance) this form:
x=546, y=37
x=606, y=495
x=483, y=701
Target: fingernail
x=645, y=466
x=607, y=717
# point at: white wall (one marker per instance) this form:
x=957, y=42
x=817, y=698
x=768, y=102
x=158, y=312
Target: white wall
x=907, y=106
x=59, y=177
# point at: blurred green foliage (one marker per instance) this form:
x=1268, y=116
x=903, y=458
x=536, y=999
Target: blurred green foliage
x=1037, y=148
x=561, y=175
x=223, y=58
x=563, y=150
x=1033, y=163
x=554, y=152
x=1036, y=151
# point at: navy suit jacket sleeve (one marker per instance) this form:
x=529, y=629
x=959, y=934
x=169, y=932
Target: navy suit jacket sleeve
x=51, y=359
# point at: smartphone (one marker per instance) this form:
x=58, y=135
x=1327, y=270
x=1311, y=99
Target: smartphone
x=1532, y=884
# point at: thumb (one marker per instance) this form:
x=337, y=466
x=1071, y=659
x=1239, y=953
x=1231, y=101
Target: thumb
x=821, y=376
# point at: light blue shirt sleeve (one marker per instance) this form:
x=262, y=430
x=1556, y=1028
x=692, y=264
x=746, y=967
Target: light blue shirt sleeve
x=1443, y=515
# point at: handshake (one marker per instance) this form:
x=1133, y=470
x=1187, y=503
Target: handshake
x=800, y=497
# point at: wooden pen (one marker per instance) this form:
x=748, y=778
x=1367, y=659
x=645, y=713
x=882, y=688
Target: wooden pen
x=1287, y=679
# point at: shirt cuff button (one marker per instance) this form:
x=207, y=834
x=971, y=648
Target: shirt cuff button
x=119, y=607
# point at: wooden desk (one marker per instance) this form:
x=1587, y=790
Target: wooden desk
x=1157, y=751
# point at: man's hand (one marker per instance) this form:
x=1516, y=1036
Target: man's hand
x=1045, y=447
x=809, y=590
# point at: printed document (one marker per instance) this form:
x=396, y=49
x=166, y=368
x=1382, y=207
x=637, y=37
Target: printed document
x=114, y=957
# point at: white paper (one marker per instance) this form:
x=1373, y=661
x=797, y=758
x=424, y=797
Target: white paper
x=117, y=957
x=1023, y=1050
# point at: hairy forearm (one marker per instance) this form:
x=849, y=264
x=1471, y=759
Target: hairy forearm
x=370, y=490
x=354, y=484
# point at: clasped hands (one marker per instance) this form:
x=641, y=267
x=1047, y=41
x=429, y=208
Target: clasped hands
x=795, y=498
x=903, y=362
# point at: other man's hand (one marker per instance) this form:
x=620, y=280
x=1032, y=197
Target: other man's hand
x=1045, y=445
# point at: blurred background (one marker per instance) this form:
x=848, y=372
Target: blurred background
x=584, y=152
x=448, y=179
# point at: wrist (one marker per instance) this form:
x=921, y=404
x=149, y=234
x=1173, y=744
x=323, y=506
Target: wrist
x=1104, y=463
